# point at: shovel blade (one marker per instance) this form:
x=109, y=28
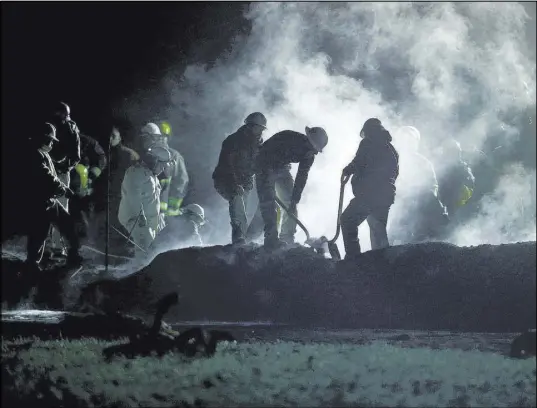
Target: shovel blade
x=334, y=251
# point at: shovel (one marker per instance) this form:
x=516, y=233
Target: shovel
x=295, y=219
x=315, y=243
x=318, y=243
x=332, y=246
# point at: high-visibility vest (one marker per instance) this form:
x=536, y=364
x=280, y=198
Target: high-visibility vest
x=83, y=177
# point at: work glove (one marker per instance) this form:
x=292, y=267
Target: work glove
x=94, y=173
x=85, y=192
x=88, y=190
x=174, y=207
x=173, y=212
x=347, y=171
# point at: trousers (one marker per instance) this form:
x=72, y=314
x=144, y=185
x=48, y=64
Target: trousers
x=57, y=216
x=56, y=236
x=269, y=183
x=358, y=211
x=237, y=211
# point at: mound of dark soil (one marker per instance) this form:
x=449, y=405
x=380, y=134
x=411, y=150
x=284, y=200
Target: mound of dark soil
x=431, y=286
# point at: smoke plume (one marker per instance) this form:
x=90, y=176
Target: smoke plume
x=464, y=70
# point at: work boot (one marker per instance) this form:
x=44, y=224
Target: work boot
x=274, y=243
x=237, y=235
x=353, y=256
x=287, y=239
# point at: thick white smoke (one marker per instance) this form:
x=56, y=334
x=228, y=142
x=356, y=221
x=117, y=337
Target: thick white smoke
x=460, y=70
x=497, y=224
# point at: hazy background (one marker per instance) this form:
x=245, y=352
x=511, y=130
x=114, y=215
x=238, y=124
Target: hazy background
x=463, y=70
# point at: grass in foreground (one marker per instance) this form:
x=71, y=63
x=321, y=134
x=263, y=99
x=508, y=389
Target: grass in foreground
x=74, y=374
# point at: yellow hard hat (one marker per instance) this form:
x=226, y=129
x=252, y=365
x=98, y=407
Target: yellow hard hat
x=165, y=128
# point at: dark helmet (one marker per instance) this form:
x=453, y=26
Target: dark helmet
x=49, y=131
x=44, y=134
x=62, y=108
x=371, y=125
x=373, y=129
x=317, y=137
x=256, y=118
x=156, y=157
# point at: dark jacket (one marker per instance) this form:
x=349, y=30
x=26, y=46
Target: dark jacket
x=284, y=148
x=46, y=186
x=236, y=164
x=375, y=168
x=91, y=152
x=121, y=158
x=66, y=152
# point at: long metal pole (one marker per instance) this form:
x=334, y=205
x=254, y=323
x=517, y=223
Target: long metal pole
x=107, y=222
x=129, y=239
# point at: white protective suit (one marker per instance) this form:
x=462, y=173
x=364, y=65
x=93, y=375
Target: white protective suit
x=139, y=209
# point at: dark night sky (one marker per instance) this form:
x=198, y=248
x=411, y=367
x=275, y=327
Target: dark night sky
x=91, y=54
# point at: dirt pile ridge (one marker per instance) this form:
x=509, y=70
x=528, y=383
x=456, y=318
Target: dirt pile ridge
x=430, y=286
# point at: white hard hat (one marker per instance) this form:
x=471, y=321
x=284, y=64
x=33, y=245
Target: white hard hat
x=151, y=129
x=256, y=118
x=317, y=137
x=196, y=210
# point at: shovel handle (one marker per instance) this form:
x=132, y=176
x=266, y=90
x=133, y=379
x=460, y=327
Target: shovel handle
x=344, y=180
x=294, y=217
